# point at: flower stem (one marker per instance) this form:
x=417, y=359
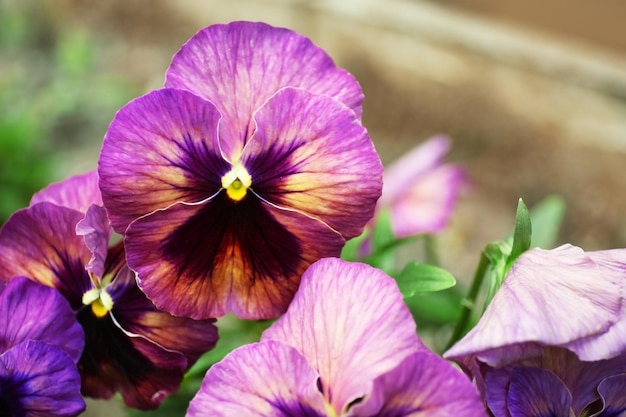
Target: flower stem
x=469, y=302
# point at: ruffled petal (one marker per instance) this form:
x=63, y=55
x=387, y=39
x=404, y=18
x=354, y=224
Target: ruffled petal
x=115, y=360
x=423, y=385
x=580, y=377
x=139, y=317
x=612, y=392
x=262, y=379
x=238, y=66
x=613, y=341
x=77, y=192
x=311, y=154
x=350, y=322
x=247, y=257
x=535, y=392
x=159, y=149
x=560, y=297
x=39, y=380
x=32, y=311
x=40, y=243
x=96, y=231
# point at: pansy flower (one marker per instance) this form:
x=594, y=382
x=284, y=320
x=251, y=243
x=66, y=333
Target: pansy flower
x=562, y=297
x=552, y=341
x=420, y=190
x=346, y=346
x=247, y=167
x=62, y=240
x=559, y=384
x=40, y=342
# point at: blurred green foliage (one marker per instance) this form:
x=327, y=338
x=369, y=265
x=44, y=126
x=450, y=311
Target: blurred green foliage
x=54, y=99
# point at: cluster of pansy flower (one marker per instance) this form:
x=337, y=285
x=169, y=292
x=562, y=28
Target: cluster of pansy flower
x=234, y=189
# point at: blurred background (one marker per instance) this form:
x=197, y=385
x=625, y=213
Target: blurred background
x=532, y=94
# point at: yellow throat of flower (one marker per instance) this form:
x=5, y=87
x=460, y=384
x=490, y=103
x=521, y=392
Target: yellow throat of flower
x=236, y=182
x=99, y=300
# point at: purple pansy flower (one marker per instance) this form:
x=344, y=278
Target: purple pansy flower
x=250, y=165
x=40, y=342
x=553, y=338
x=556, y=383
x=130, y=346
x=420, y=190
x=346, y=346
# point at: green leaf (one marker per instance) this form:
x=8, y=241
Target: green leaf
x=521, y=234
x=547, y=217
x=418, y=278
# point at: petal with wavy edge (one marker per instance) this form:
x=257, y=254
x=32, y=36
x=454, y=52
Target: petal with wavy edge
x=77, y=192
x=612, y=342
x=115, y=360
x=423, y=385
x=612, y=391
x=239, y=66
x=580, y=377
x=310, y=153
x=550, y=297
x=138, y=316
x=32, y=311
x=350, y=322
x=261, y=379
x=96, y=231
x=160, y=148
x=39, y=380
x=205, y=260
x=40, y=243
x=535, y=392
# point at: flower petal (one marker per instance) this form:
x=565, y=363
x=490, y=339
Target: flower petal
x=261, y=379
x=96, y=230
x=240, y=65
x=113, y=360
x=415, y=164
x=613, y=399
x=138, y=316
x=206, y=260
x=32, y=311
x=423, y=385
x=40, y=243
x=613, y=341
x=311, y=154
x=549, y=298
x=77, y=192
x=159, y=149
x=535, y=392
x=350, y=322
x=37, y=379
x=427, y=205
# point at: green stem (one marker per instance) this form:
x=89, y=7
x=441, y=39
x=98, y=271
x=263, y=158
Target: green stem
x=430, y=248
x=470, y=301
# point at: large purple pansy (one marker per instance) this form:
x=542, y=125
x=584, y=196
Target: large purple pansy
x=346, y=346
x=40, y=342
x=250, y=165
x=130, y=345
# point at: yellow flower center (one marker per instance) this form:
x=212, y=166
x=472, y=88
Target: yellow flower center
x=236, y=182
x=99, y=300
